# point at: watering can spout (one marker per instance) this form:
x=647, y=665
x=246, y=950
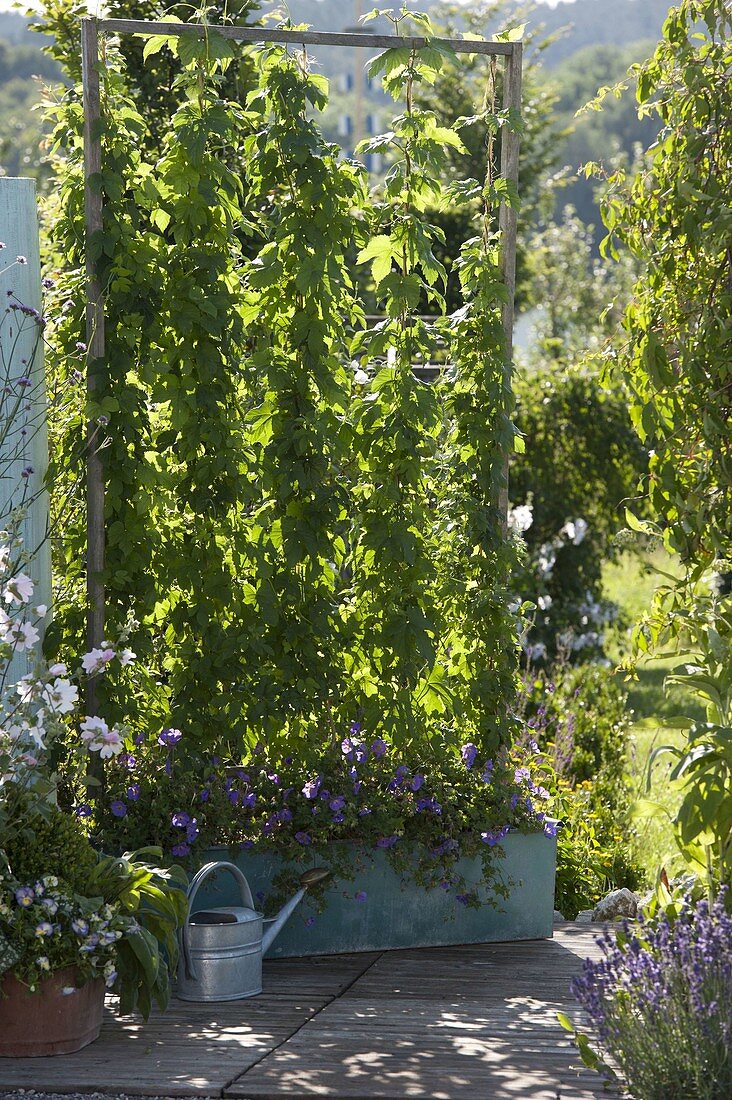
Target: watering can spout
x=309, y=878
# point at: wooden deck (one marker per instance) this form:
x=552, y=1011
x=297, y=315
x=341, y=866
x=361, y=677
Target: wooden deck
x=441, y=1023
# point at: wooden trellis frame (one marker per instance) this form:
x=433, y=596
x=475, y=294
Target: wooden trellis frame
x=91, y=28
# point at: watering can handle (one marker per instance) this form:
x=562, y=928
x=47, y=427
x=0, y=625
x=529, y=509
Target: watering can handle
x=244, y=892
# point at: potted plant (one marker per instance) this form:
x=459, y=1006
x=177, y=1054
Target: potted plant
x=73, y=922
x=99, y=923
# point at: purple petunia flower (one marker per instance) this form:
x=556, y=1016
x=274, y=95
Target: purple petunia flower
x=378, y=747
x=249, y=800
x=487, y=771
x=311, y=788
x=462, y=898
x=204, y=795
x=417, y=782
x=133, y=792
x=338, y=818
x=521, y=774
x=514, y=800
x=360, y=895
x=180, y=819
x=180, y=850
x=337, y=803
x=303, y=838
x=347, y=747
x=469, y=753
x=169, y=737
x=84, y=810
x=386, y=841
x=494, y=836
x=550, y=828
x=355, y=728
x=118, y=808
x=357, y=786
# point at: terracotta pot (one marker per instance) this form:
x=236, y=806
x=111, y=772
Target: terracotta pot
x=49, y=1021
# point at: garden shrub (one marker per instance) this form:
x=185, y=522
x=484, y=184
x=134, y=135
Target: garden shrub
x=583, y=460
x=577, y=716
x=54, y=840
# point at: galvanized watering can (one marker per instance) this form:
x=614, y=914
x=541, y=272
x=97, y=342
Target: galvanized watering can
x=221, y=949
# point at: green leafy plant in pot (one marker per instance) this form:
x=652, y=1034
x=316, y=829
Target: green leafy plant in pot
x=98, y=922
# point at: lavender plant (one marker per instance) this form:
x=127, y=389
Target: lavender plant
x=661, y=1001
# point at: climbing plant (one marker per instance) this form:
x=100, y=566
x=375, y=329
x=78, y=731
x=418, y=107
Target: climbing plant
x=307, y=537
x=674, y=216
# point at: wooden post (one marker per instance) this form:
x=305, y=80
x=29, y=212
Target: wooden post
x=95, y=343
x=507, y=221
x=23, y=435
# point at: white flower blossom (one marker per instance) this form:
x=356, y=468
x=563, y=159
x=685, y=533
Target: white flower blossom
x=520, y=518
x=29, y=688
x=547, y=559
x=19, y=635
x=126, y=657
x=545, y=602
x=61, y=696
x=96, y=659
x=41, y=610
x=100, y=738
x=575, y=530
x=18, y=589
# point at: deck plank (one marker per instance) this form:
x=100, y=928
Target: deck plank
x=445, y=1023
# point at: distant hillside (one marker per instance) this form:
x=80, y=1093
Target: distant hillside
x=588, y=22
x=600, y=23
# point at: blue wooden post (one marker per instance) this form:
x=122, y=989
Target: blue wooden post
x=23, y=419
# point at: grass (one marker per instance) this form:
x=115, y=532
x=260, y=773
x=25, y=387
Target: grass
x=630, y=582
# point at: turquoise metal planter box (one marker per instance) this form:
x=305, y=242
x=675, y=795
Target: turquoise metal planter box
x=398, y=913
